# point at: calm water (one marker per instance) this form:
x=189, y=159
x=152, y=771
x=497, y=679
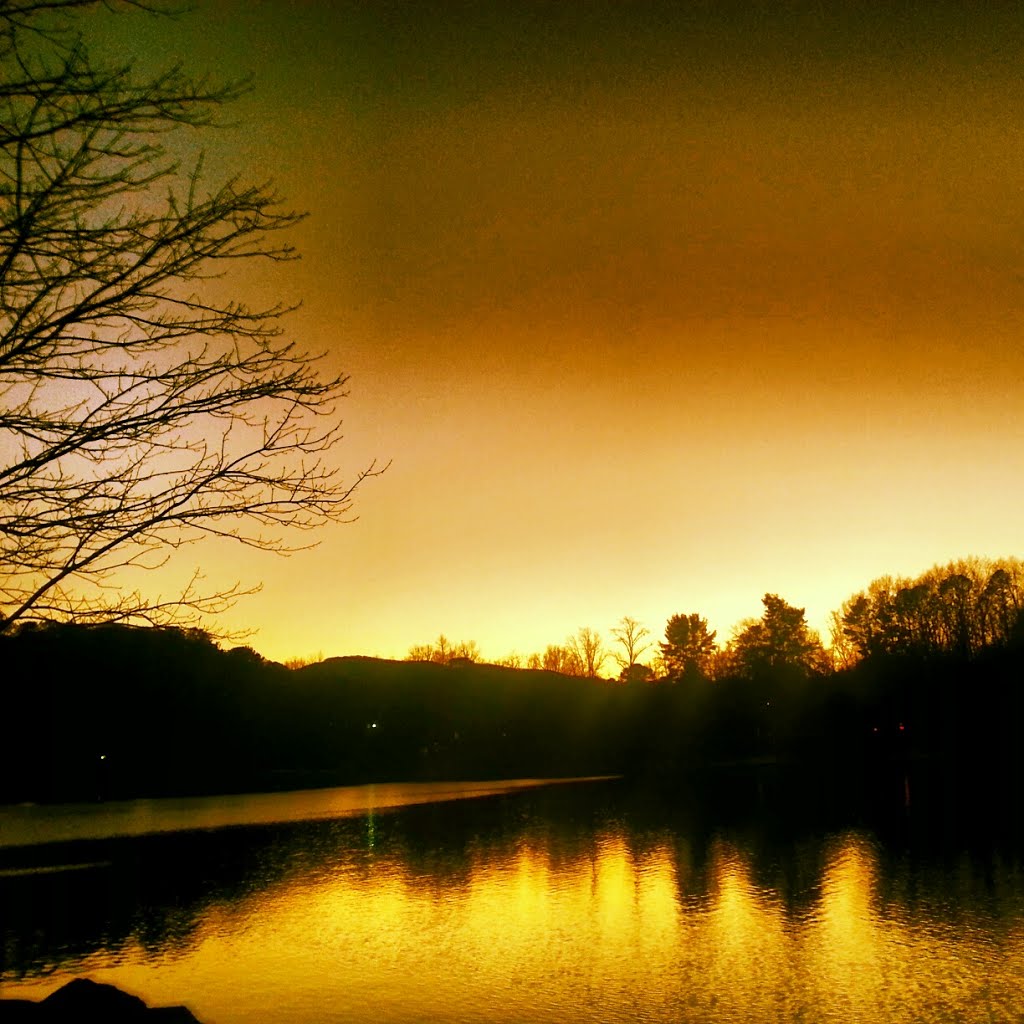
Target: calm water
x=571, y=903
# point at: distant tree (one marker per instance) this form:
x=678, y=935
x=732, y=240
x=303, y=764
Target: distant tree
x=861, y=630
x=301, y=661
x=842, y=652
x=140, y=408
x=511, y=660
x=587, y=649
x=637, y=673
x=912, y=619
x=956, y=593
x=658, y=667
x=630, y=635
x=534, y=661
x=562, y=659
x=467, y=650
x=959, y=608
x=245, y=654
x=999, y=606
x=725, y=663
x=553, y=658
x=688, y=647
x=439, y=652
x=443, y=652
x=780, y=642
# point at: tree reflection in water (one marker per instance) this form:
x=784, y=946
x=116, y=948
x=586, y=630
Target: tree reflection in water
x=541, y=906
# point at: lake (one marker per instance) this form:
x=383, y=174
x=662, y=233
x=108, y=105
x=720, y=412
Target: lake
x=757, y=898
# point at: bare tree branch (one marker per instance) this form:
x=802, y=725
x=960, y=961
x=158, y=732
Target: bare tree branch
x=139, y=411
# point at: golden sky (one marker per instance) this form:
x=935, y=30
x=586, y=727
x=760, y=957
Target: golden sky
x=656, y=307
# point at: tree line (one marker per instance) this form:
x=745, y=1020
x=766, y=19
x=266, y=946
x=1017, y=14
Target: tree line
x=115, y=710
x=963, y=608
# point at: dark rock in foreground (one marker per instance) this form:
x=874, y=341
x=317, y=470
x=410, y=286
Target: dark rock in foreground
x=84, y=1000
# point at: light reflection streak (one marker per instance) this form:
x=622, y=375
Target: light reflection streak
x=746, y=937
x=846, y=940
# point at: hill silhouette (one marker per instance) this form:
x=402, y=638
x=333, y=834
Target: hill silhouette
x=114, y=711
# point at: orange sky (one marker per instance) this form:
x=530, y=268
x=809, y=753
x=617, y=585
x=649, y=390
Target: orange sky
x=655, y=307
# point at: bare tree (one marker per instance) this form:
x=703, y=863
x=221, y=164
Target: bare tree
x=588, y=651
x=303, y=661
x=630, y=634
x=561, y=659
x=443, y=652
x=140, y=410
x=421, y=652
x=467, y=650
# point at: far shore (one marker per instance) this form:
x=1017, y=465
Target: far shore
x=34, y=824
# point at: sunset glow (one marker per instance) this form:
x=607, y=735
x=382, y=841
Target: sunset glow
x=655, y=307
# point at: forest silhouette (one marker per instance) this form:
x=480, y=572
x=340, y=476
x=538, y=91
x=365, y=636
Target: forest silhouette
x=919, y=669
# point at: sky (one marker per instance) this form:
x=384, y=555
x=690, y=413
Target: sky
x=654, y=307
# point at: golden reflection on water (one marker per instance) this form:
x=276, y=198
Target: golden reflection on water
x=608, y=929
x=744, y=937
x=845, y=939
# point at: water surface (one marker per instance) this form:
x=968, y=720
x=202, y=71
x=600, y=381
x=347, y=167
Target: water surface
x=591, y=902
x=32, y=824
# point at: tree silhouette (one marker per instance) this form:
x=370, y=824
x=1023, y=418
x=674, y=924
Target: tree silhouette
x=636, y=673
x=687, y=648
x=956, y=594
x=1000, y=607
x=565, y=660
x=588, y=651
x=961, y=608
x=140, y=409
x=780, y=642
x=630, y=634
x=443, y=652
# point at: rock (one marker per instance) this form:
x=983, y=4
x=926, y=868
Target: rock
x=83, y=1000
x=97, y=1002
